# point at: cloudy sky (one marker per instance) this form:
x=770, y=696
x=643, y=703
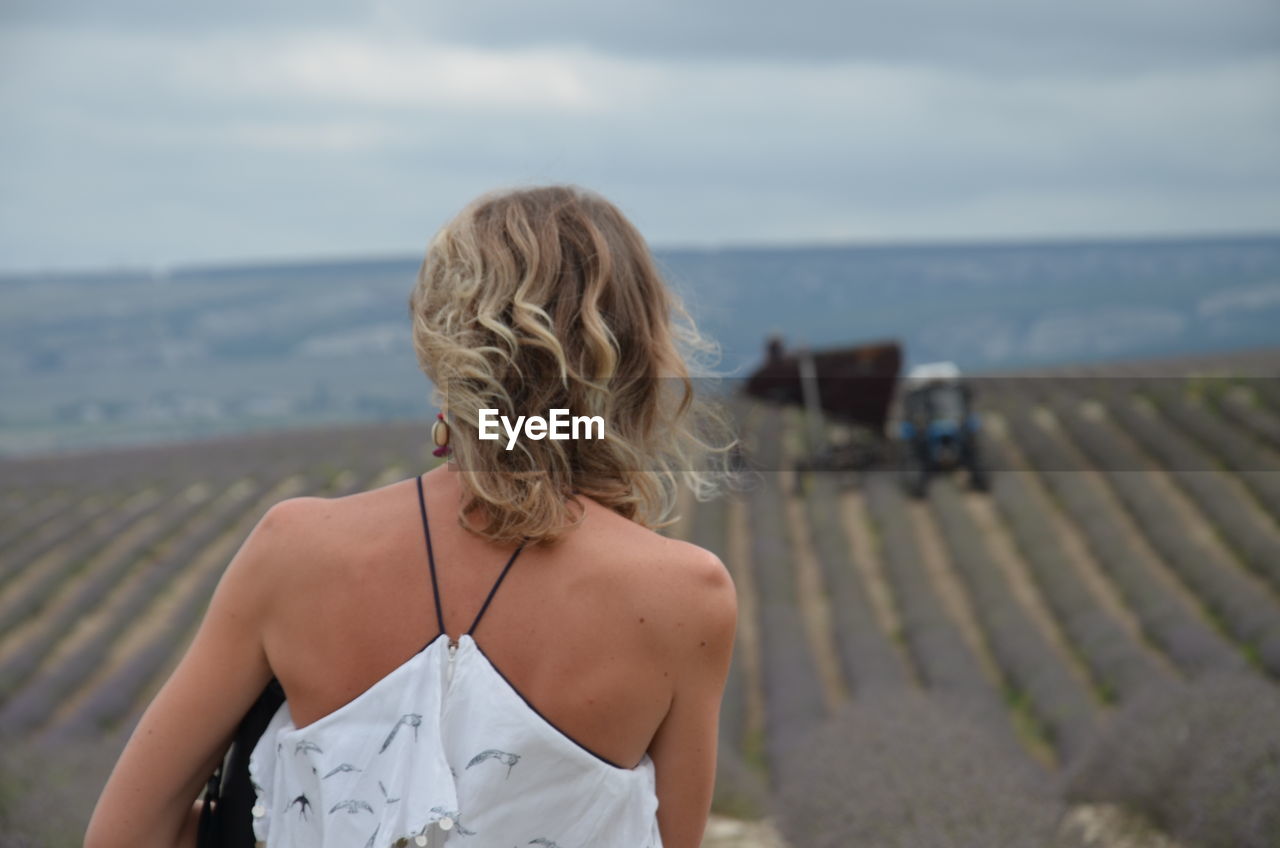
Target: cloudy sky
x=146, y=132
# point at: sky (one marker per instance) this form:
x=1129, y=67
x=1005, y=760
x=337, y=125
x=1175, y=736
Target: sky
x=147, y=133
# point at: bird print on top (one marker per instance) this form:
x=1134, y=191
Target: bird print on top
x=352, y=807
x=303, y=803
x=411, y=779
x=413, y=720
x=386, y=797
x=507, y=759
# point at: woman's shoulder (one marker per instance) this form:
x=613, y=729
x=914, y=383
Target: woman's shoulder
x=691, y=597
x=687, y=582
x=700, y=570
x=708, y=590
x=312, y=532
x=641, y=545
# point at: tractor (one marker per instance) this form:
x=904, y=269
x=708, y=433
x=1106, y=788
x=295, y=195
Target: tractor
x=851, y=388
x=938, y=428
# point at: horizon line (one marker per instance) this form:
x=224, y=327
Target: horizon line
x=192, y=267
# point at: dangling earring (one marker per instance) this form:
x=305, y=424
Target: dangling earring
x=440, y=435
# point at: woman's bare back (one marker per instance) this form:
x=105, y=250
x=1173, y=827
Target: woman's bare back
x=593, y=631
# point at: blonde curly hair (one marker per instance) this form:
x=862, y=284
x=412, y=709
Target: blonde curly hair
x=543, y=298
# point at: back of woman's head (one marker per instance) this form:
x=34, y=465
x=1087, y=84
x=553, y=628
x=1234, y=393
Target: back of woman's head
x=548, y=298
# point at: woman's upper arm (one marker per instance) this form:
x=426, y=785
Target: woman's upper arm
x=684, y=748
x=186, y=729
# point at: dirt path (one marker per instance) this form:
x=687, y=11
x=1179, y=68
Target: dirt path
x=725, y=832
x=89, y=624
x=1198, y=526
x=951, y=592
x=1111, y=826
x=15, y=592
x=1133, y=534
x=1005, y=555
x=1077, y=553
x=811, y=595
x=866, y=558
x=747, y=640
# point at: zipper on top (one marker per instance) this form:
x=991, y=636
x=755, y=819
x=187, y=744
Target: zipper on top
x=453, y=651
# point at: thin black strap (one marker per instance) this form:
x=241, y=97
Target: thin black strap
x=431, y=557
x=496, y=584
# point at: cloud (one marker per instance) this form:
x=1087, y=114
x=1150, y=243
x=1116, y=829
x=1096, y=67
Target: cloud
x=401, y=73
x=1027, y=36
x=250, y=132
x=317, y=66
x=297, y=136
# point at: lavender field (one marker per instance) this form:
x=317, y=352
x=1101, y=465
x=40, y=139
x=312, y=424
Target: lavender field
x=1086, y=655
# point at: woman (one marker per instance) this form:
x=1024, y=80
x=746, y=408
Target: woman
x=584, y=710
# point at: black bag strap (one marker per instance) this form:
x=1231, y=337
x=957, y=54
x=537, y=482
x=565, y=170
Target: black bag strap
x=229, y=796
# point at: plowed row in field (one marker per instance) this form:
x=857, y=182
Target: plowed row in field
x=1130, y=544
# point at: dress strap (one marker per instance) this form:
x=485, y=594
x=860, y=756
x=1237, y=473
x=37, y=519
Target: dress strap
x=431, y=558
x=435, y=583
x=496, y=584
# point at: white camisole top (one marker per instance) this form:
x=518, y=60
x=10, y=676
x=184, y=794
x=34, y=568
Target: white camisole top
x=444, y=750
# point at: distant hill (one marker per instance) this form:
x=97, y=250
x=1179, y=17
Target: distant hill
x=106, y=358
